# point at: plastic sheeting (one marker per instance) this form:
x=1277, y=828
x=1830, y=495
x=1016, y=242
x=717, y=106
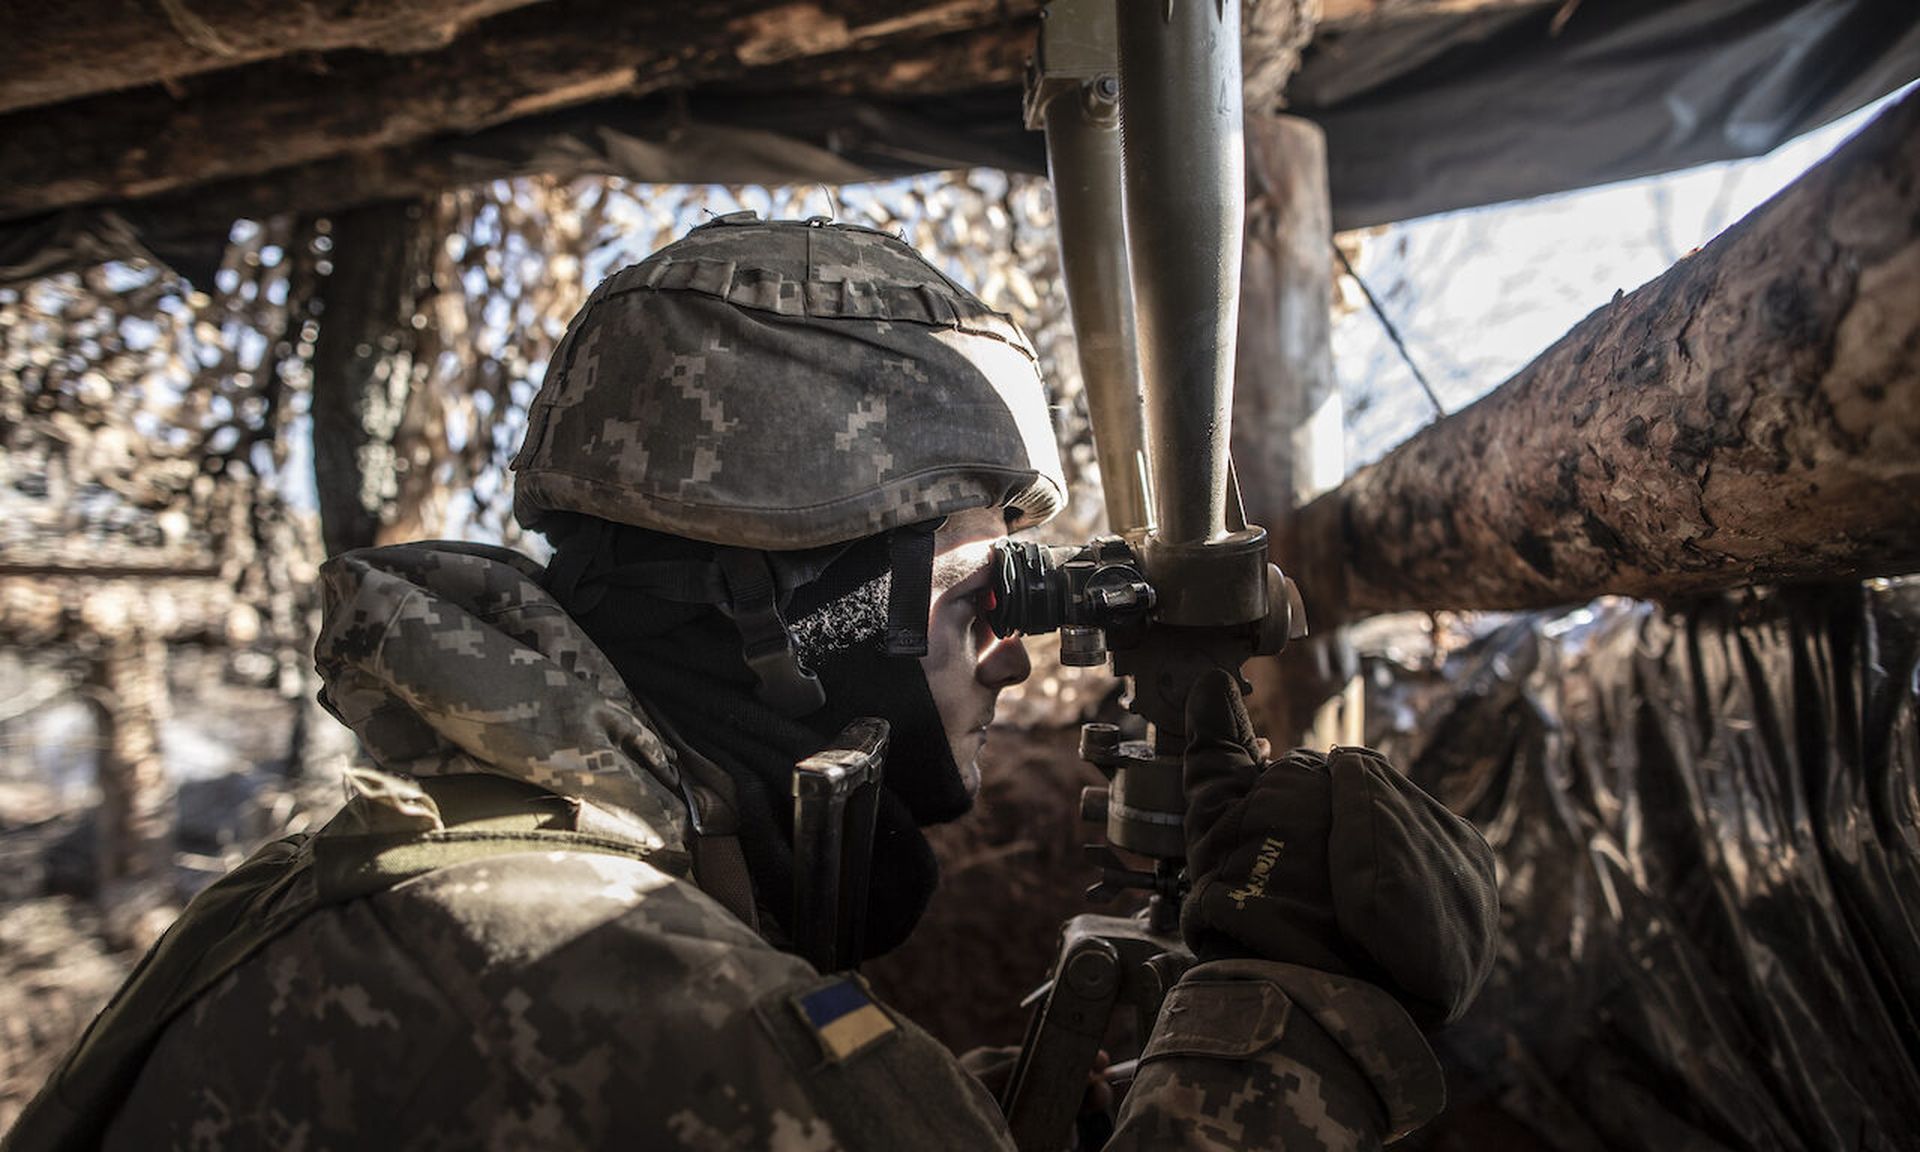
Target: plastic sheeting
x=1498, y=104
x=1706, y=824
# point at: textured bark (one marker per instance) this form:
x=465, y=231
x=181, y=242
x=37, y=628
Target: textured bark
x=366, y=367
x=1283, y=376
x=128, y=686
x=376, y=82
x=956, y=61
x=1283, y=367
x=1341, y=15
x=1273, y=34
x=259, y=117
x=64, y=51
x=1751, y=416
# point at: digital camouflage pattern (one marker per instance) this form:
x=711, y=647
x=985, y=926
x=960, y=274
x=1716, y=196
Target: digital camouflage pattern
x=451, y=659
x=584, y=992
x=786, y=385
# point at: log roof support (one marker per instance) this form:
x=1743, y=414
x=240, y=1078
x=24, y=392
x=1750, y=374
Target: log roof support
x=1286, y=398
x=127, y=145
x=65, y=51
x=1752, y=416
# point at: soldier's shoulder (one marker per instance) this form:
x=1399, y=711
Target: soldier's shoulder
x=617, y=997
x=565, y=909
x=559, y=999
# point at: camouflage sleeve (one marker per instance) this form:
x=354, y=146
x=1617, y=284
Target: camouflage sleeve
x=1254, y=1054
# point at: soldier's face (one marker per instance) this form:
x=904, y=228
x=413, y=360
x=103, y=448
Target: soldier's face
x=966, y=664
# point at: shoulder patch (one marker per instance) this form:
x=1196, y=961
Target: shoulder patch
x=843, y=1018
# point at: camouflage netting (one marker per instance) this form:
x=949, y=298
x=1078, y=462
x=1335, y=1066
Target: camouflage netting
x=162, y=430
x=1705, y=817
x=158, y=437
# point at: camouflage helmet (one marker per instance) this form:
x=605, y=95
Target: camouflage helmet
x=786, y=385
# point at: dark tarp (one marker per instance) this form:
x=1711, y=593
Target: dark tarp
x=1708, y=825
x=1498, y=108
x=1423, y=114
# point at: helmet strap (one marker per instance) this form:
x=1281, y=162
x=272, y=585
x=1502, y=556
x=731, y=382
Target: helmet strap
x=910, y=591
x=569, y=567
x=786, y=685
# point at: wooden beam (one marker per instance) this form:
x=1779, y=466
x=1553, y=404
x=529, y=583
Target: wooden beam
x=1283, y=362
x=1752, y=416
x=367, y=362
x=1345, y=15
x=127, y=687
x=1273, y=33
x=359, y=93
x=261, y=117
x=64, y=51
x=1284, y=388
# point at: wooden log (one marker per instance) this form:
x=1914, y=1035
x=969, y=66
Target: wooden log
x=281, y=114
x=1283, y=363
x=1286, y=398
x=365, y=367
x=260, y=117
x=65, y=51
x=127, y=686
x=1345, y=15
x=1752, y=416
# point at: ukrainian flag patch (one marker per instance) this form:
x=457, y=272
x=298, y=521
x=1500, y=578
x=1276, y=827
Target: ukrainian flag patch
x=843, y=1018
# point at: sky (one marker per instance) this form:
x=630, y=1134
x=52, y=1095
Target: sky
x=1477, y=294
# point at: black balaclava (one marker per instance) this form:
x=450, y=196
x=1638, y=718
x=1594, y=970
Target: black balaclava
x=683, y=660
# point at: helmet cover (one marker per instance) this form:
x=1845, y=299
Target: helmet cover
x=784, y=385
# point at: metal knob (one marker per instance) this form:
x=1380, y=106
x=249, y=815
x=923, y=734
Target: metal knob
x=1093, y=805
x=1082, y=646
x=1100, y=744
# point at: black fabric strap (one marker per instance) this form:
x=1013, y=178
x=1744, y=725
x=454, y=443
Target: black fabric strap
x=681, y=581
x=785, y=684
x=910, y=598
x=569, y=568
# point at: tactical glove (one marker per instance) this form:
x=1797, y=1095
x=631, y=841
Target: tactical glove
x=1336, y=863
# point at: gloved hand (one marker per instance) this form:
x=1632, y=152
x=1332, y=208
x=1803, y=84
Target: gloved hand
x=1336, y=863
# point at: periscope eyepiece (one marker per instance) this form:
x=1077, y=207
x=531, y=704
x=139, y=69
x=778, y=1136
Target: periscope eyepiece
x=1094, y=595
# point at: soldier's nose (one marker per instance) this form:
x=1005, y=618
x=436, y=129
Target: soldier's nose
x=1003, y=663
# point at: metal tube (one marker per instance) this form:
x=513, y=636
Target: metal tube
x=1185, y=171
x=836, y=794
x=856, y=873
x=1083, y=162
x=818, y=841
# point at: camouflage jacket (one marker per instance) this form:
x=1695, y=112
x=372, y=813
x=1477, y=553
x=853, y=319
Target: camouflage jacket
x=586, y=992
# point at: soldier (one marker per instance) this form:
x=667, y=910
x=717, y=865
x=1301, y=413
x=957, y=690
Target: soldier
x=772, y=458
